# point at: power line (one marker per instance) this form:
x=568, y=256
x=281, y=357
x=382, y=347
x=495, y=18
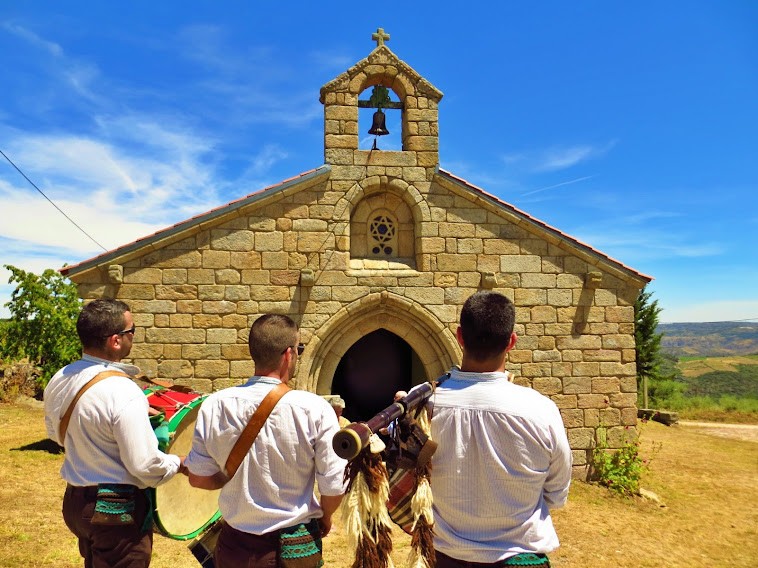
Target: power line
x=51, y=202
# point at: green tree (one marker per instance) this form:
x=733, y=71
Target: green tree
x=647, y=341
x=42, y=327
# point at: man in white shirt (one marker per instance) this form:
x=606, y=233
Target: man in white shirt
x=271, y=497
x=111, y=452
x=503, y=458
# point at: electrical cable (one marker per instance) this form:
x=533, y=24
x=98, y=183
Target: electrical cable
x=51, y=202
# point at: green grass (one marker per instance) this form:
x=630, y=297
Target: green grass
x=719, y=389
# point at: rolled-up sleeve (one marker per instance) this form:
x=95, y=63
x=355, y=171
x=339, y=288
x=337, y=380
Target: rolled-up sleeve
x=558, y=479
x=330, y=468
x=138, y=445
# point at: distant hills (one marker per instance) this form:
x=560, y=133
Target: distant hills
x=709, y=339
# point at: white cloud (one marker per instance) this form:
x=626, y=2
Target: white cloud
x=555, y=158
x=562, y=158
x=635, y=245
x=77, y=75
x=30, y=37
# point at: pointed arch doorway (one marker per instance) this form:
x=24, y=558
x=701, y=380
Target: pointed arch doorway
x=372, y=370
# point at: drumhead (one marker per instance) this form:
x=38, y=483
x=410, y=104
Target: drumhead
x=181, y=511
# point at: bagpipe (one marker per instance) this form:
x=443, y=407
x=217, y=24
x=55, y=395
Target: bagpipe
x=387, y=476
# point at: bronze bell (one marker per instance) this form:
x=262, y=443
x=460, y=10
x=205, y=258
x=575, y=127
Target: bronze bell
x=378, y=127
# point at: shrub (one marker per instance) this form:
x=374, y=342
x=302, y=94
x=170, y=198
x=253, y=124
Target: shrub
x=620, y=470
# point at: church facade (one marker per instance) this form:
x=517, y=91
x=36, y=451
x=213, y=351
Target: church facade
x=373, y=254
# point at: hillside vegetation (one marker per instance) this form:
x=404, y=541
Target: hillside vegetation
x=709, y=339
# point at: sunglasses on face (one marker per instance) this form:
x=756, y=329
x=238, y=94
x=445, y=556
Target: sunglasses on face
x=299, y=348
x=123, y=332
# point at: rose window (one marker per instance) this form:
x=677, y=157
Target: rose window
x=382, y=232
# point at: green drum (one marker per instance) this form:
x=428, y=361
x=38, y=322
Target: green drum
x=180, y=511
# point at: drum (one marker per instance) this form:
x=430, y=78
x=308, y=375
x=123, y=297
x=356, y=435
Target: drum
x=203, y=548
x=180, y=511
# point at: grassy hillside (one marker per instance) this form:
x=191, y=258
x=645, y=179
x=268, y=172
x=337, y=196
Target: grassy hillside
x=696, y=366
x=721, y=389
x=709, y=339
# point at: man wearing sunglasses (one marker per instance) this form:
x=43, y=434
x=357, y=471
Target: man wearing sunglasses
x=269, y=505
x=100, y=416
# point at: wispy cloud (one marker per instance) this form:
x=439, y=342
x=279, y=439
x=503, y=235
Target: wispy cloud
x=555, y=158
x=562, y=158
x=557, y=185
x=75, y=75
x=331, y=60
x=646, y=236
x=258, y=85
x=32, y=38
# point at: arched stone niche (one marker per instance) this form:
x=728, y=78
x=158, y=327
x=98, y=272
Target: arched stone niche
x=376, y=193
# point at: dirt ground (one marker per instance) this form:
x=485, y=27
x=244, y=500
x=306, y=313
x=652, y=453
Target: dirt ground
x=747, y=432
x=706, y=483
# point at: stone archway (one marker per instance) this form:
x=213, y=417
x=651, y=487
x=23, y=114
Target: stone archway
x=372, y=370
x=433, y=342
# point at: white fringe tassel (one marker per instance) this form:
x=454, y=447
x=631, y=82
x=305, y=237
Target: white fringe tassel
x=363, y=513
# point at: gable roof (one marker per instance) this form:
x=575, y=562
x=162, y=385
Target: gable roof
x=179, y=230
x=214, y=215
x=544, y=227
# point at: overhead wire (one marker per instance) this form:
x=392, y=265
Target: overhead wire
x=51, y=201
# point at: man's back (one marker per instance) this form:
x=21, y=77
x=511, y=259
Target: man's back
x=273, y=487
x=503, y=461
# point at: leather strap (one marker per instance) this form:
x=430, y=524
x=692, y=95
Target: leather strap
x=250, y=433
x=67, y=415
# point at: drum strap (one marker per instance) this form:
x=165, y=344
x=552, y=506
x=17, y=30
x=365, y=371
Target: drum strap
x=250, y=433
x=67, y=415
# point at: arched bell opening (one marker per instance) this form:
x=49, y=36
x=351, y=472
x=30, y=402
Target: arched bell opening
x=380, y=119
x=372, y=370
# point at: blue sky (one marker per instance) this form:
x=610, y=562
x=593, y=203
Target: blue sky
x=632, y=126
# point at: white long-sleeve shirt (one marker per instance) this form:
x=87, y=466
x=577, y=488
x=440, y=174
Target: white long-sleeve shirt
x=274, y=485
x=109, y=438
x=502, y=462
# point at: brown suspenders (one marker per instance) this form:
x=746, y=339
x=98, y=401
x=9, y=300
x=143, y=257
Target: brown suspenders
x=67, y=415
x=246, y=439
x=241, y=446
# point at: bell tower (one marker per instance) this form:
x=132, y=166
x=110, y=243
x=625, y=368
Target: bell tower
x=366, y=85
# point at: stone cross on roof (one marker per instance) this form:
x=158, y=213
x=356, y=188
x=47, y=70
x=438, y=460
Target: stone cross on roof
x=380, y=36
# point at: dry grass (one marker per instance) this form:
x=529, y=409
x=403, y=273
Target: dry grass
x=708, y=484
x=697, y=367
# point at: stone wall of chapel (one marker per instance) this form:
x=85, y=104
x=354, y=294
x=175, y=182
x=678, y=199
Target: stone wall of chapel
x=194, y=297
x=193, y=300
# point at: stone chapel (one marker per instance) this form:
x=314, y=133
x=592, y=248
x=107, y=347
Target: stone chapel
x=373, y=254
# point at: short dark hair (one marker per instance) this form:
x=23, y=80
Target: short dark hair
x=487, y=321
x=100, y=319
x=270, y=336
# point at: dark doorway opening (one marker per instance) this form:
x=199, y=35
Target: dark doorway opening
x=371, y=372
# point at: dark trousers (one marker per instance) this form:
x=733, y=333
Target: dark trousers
x=106, y=546
x=238, y=549
x=445, y=561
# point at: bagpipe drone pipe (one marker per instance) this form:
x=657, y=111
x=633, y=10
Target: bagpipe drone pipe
x=387, y=474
